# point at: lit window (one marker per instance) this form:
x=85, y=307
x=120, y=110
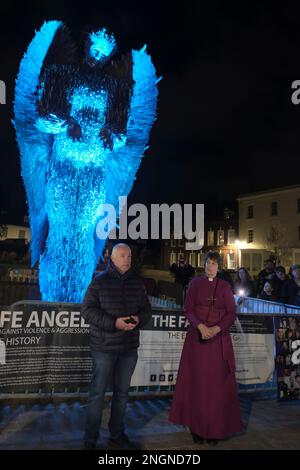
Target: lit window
x=192, y=259
x=231, y=237
x=250, y=212
x=250, y=236
x=231, y=261
x=210, y=238
x=220, y=237
x=172, y=257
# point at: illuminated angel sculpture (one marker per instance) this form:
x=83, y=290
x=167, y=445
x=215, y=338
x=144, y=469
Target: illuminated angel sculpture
x=82, y=120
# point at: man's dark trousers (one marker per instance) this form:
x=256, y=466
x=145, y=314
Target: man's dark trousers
x=116, y=365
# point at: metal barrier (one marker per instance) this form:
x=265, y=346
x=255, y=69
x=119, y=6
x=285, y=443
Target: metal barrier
x=156, y=303
x=244, y=305
x=12, y=291
x=251, y=305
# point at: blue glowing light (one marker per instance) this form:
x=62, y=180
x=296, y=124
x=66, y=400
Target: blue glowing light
x=102, y=44
x=88, y=110
x=67, y=167
x=83, y=98
x=51, y=125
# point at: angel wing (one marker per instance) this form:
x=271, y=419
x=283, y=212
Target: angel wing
x=123, y=163
x=35, y=147
x=124, y=160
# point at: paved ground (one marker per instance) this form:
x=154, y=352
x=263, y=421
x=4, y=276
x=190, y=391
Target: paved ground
x=267, y=425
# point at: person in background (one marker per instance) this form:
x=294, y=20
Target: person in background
x=224, y=274
x=279, y=280
x=268, y=292
x=265, y=274
x=103, y=261
x=244, y=286
x=182, y=271
x=290, y=293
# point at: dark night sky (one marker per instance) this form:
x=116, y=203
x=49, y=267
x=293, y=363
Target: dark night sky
x=226, y=124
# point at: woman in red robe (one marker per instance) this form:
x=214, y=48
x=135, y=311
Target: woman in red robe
x=205, y=397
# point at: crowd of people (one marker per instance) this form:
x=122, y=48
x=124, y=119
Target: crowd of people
x=273, y=284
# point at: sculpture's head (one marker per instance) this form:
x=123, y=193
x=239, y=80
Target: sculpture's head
x=100, y=46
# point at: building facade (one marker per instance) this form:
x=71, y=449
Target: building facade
x=15, y=232
x=218, y=236
x=269, y=225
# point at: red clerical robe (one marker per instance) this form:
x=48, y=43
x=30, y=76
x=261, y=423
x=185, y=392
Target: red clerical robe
x=205, y=397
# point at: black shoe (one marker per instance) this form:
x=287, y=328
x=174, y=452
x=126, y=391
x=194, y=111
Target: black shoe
x=89, y=446
x=212, y=442
x=197, y=439
x=121, y=442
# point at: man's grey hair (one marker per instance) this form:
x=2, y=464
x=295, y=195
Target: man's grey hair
x=119, y=245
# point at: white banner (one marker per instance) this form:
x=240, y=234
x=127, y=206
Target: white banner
x=253, y=343
x=159, y=356
x=161, y=346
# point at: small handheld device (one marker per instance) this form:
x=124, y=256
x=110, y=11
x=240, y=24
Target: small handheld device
x=131, y=320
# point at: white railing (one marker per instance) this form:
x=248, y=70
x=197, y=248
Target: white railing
x=163, y=303
x=252, y=305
